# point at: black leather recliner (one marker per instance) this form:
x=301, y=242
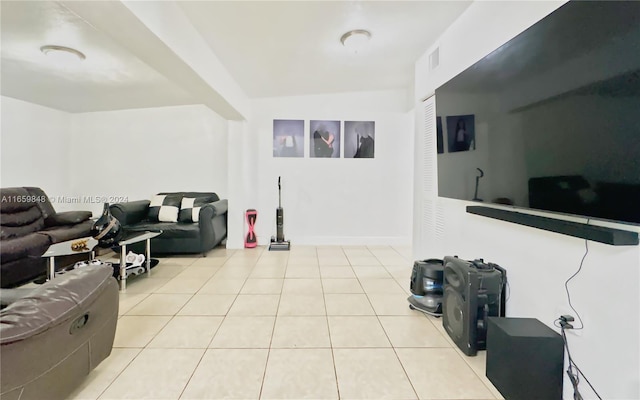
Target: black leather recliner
x=28, y=226
x=52, y=336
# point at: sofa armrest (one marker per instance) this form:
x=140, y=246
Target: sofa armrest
x=211, y=210
x=54, y=302
x=130, y=212
x=211, y=215
x=67, y=218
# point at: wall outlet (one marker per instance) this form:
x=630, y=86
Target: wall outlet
x=566, y=310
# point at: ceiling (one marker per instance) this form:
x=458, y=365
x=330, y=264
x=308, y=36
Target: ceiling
x=279, y=48
x=109, y=78
x=270, y=48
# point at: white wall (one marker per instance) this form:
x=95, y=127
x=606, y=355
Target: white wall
x=138, y=153
x=35, y=148
x=241, y=181
x=605, y=292
x=335, y=201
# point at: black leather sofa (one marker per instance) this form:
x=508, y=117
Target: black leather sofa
x=28, y=226
x=177, y=237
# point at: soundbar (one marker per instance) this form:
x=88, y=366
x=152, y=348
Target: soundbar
x=612, y=236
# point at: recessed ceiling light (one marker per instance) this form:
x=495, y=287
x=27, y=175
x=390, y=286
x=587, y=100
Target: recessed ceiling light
x=356, y=39
x=62, y=53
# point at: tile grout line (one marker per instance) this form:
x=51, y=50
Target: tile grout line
x=275, y=319
x=147, y=344
x=206, y=349
x=176, y=314
x=134, y=306
x=172, y=318
x=120, y=373
x=326, y=312
x=415, y=392
x=480, y=378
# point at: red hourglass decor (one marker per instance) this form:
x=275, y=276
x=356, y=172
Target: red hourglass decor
x=251, y=240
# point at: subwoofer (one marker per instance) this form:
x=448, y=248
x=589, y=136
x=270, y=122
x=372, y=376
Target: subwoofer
x=524, y=359
x=473, y=291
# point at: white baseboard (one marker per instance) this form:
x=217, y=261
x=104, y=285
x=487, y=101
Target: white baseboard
x=333, y=241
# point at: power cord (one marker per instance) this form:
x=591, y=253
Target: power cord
x=564, y=323
x=566, y=283
x=574, y=376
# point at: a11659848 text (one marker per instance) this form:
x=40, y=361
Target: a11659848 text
x=65, y=199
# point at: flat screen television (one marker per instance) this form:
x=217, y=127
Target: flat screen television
x=551, y=119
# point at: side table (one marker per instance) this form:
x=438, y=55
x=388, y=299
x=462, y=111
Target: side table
x=135, y=238
x=75, y=246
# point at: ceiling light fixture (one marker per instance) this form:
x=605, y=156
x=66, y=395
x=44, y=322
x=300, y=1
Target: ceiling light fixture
x=356, y=40
x=62, y=53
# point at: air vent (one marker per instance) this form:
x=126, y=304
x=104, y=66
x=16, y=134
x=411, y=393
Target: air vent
x=440, y=225
x=434, y=59
x=427, y=231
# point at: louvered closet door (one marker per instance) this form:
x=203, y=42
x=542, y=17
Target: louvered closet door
x=426, y=241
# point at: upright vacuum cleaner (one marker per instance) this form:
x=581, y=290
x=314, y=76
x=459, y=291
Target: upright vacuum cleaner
x=278, y=242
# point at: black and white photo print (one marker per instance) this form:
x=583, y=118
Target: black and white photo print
x=359, y=139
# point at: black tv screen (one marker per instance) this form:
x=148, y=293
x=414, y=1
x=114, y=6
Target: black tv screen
x=551, y=119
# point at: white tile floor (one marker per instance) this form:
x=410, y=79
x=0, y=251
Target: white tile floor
x=312, y=323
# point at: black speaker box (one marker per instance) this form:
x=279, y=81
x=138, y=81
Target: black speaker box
x=525, y=359
x=473, y=291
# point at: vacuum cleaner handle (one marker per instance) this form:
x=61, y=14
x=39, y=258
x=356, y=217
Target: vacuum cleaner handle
x=279, y=194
